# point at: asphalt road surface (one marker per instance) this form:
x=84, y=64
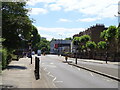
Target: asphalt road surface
x=63, y=75
x=109, y=69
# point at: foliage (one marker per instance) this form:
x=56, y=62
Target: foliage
x=76, y=40
x=4, y=54
x=83, y=47
x=91, y=45
x=16, y=25
x=43, y=45
x=84, y=38
x=68, y=38
x=102, y=45
x=118, y=33
x=109, y=34
x=35, y=38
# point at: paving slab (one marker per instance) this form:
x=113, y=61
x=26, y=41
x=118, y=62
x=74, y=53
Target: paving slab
x=20, y=74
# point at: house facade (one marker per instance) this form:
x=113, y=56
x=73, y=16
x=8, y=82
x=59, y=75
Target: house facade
x=60, y=46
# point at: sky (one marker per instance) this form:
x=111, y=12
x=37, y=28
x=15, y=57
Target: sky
x=64, y=18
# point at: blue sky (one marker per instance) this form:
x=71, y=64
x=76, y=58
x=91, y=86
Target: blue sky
x=64, y=18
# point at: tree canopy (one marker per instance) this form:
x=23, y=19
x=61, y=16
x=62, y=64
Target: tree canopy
x=102, y=45
x=91, y=45
x=16, y=25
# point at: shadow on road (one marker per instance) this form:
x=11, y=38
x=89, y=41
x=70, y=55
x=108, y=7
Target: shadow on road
x=16, y=67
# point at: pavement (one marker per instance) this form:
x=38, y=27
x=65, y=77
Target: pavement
x=111, y=69
x=20, y=74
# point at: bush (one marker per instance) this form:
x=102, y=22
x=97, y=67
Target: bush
x=3, y=53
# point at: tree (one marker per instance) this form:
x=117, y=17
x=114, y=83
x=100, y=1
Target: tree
x=68, y=38
x=84, y=39
x=76, y=40
x=35, y=39
x=109, y=36
x=44, y=45
x=102, y=45
x=91, y=46
x=118, y=39
x=16, y=25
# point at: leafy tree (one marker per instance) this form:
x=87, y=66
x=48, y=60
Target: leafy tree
x=44, y=45
x=76, y=40
x=68, y=38
x=91, y=45
x=83, y=39
x=118, y=39
x=35, y=39
x=16, y=25
x=109, y=34
x=102, y=45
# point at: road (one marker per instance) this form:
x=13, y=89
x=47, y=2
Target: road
x=63, y=75
x=110, y=69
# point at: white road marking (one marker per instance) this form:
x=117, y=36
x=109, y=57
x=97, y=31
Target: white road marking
x=48, y=73
x=58, y=81
x=91, y=74
x=79, y=69
x=54, y=79
x=54, y=85
x=51, y=63
x=51, y=75
x=45, y=68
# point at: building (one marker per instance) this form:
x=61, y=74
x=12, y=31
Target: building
x=60, y=46
x=93, y=32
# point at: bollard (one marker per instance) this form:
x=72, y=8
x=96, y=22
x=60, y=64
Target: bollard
x=31, y=58
x=37, y=68
x=35, y=64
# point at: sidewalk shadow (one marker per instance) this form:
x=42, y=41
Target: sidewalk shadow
x=16, y=67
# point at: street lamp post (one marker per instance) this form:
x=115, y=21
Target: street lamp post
x=76, y=55
x=61, y=44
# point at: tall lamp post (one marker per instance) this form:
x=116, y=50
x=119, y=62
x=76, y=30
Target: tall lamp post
x=76, y=51
x=61, y=45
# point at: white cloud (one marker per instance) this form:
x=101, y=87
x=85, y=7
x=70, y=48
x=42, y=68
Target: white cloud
x=34, y=2
x=36, y=11
x=54, y=32
x=61, y=29
x=48, y=37
x=64, y=20
x=101, y=8
x=54, y=7
x=88, y=19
